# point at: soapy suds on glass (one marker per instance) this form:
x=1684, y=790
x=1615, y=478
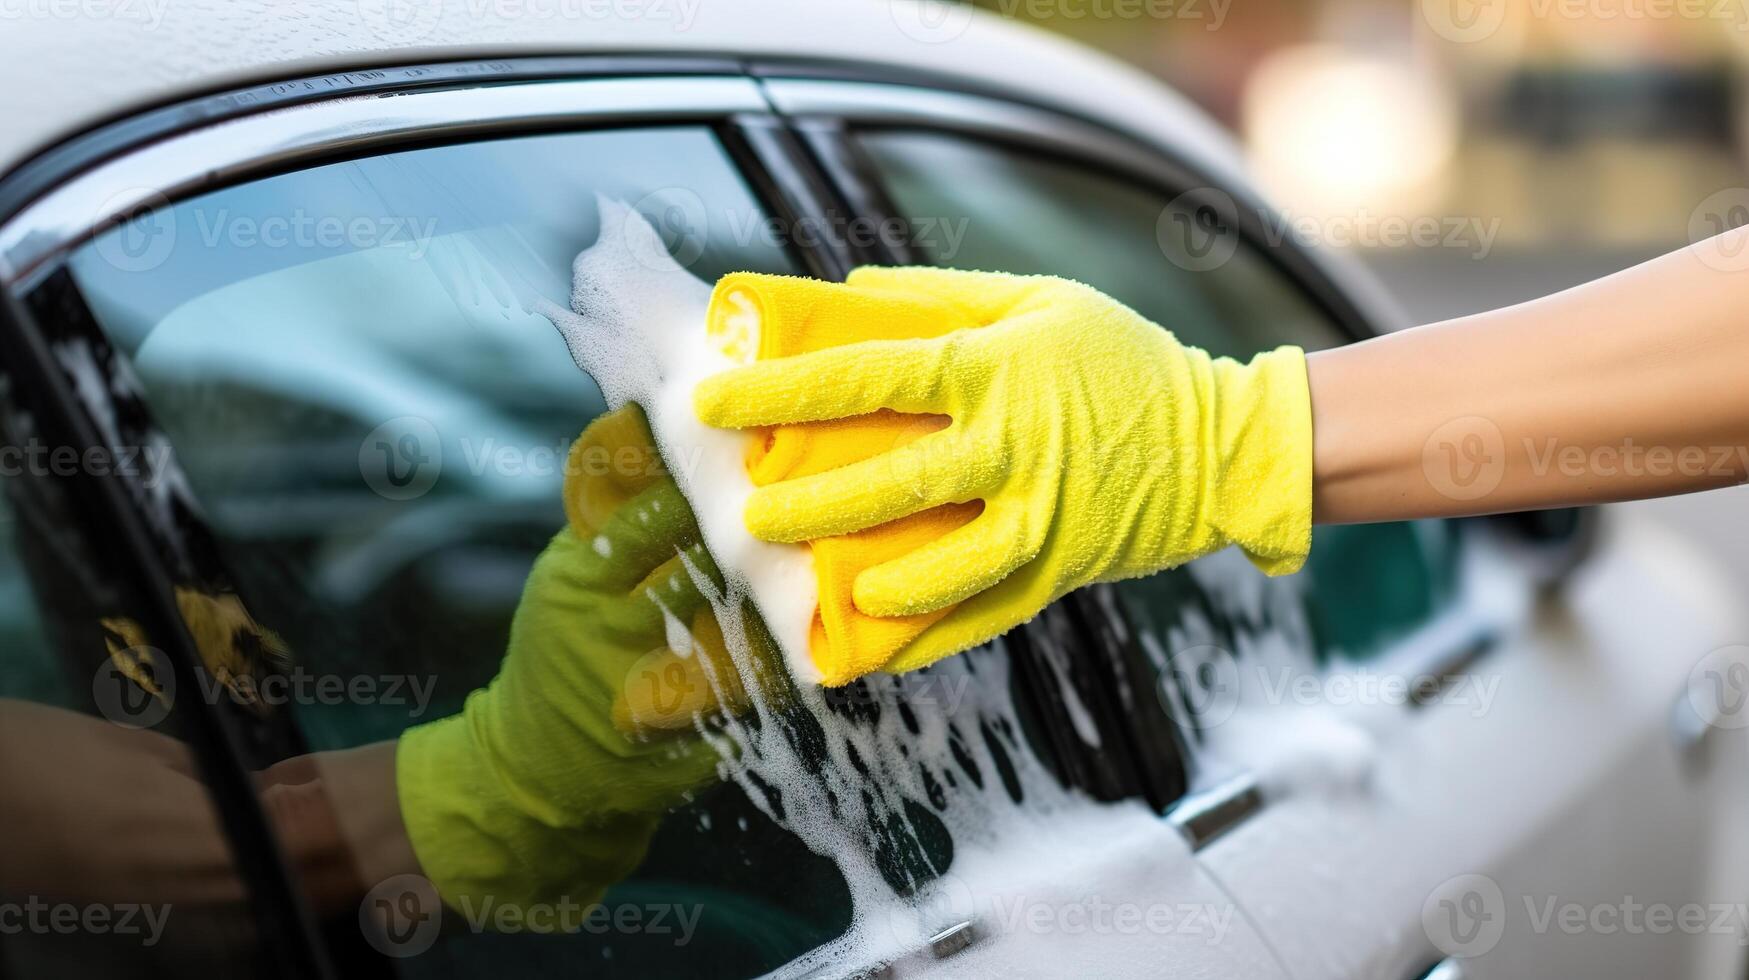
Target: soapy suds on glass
x=637, y=327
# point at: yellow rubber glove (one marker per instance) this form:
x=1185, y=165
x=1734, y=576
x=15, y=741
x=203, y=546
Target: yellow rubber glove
x=552, y=779
x=760, y=317
x=1101, y=447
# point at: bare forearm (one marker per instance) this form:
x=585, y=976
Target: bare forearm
x=1633, y=386
x=339, y=821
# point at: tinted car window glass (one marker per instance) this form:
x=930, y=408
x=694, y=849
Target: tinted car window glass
x=1031, y=214
x=358, y=368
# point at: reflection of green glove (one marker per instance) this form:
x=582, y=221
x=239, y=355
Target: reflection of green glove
x=550, y=782
x=1101, y=447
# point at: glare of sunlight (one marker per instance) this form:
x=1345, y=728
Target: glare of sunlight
x=1331, y=132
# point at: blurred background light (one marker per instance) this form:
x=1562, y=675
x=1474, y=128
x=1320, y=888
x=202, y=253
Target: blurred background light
x=1330, y=132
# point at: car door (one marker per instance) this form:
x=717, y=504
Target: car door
x=1421, y=744
x=348, y=341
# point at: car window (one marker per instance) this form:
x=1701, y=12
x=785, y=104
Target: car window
x=96, y=752
x=1363, y=586
x=359, y=369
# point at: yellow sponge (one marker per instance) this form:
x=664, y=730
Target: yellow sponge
x=758, y=317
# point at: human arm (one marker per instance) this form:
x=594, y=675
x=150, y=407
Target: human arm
x=1632, y=386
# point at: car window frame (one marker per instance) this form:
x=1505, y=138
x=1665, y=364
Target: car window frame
x=172, y=154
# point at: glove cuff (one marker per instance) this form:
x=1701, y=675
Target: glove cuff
x=480, y=850
x=1261, y=495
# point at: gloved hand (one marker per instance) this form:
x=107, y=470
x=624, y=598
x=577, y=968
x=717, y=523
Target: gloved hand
x=1101, y=447
x=552, y=779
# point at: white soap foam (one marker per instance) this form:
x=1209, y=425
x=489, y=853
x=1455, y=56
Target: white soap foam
x=636, y=325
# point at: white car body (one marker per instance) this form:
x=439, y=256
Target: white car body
x=1583, y=784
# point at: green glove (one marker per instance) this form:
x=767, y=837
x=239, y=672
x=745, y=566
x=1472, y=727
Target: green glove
x=1101, y=447
x=551, y=781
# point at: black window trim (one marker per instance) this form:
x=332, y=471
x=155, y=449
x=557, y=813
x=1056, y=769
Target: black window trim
x=250, y=147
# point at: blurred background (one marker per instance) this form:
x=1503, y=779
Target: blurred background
x=1473, y=153
x=1560, y=139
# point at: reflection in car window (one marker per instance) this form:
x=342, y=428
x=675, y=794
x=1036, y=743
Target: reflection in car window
x=95, y=756
x=359, y=368
x=1363, y=586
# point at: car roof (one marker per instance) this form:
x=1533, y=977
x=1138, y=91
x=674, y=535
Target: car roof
x=66, y=67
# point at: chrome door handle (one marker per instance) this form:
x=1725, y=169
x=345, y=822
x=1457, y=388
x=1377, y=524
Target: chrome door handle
x=1205, y=815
